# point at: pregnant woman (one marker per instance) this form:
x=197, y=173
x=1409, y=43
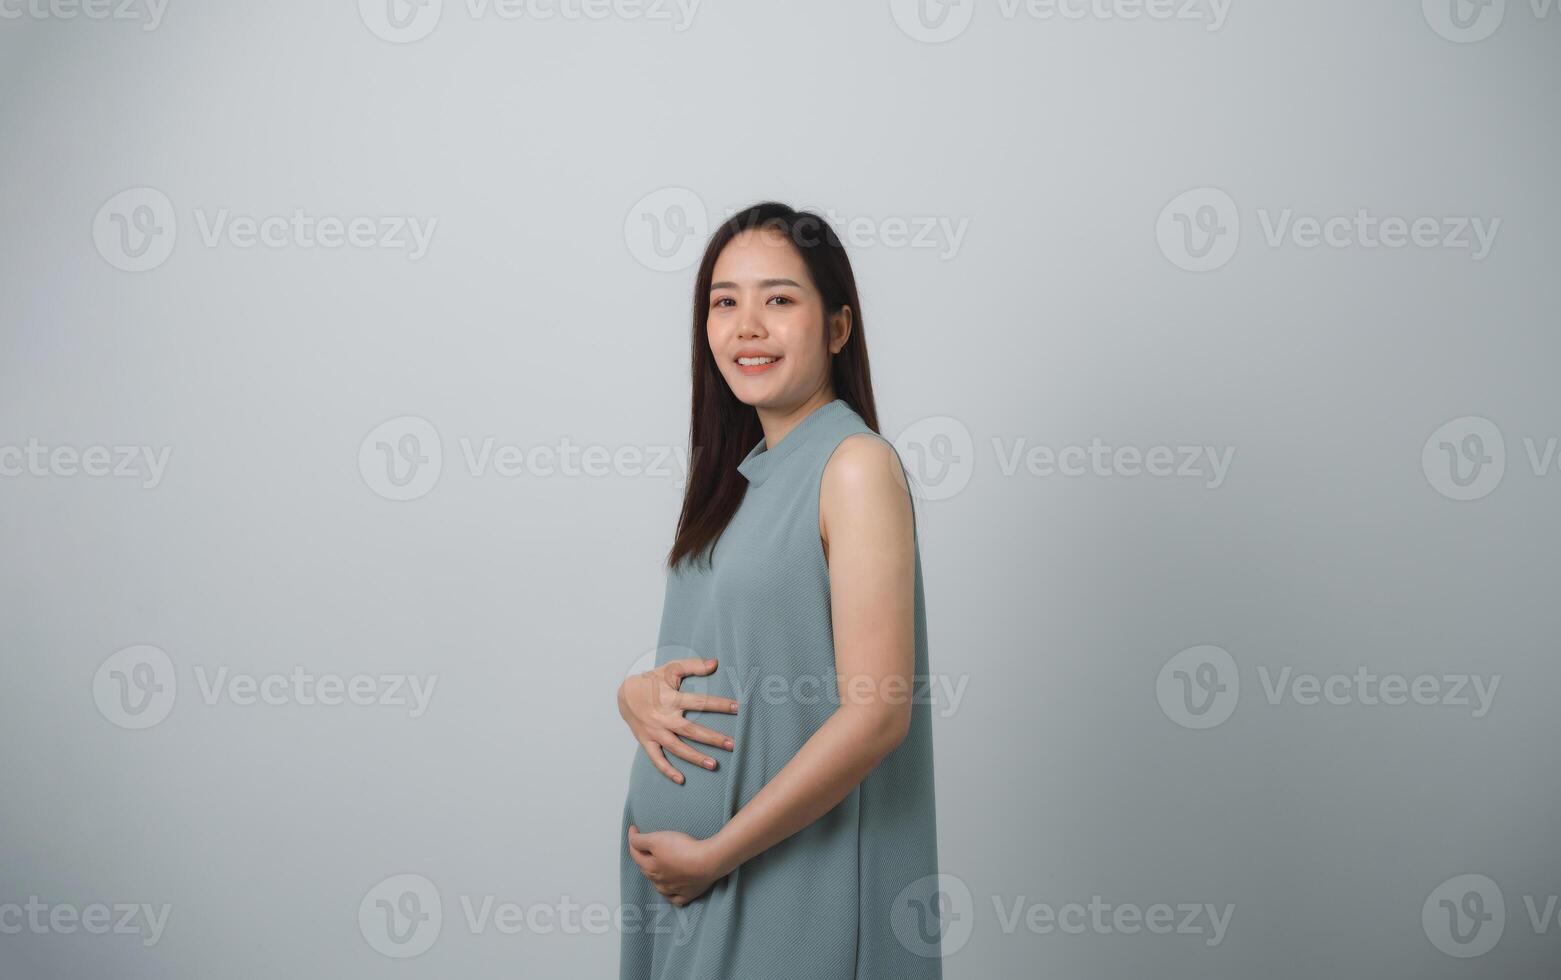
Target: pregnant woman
x=801, y=843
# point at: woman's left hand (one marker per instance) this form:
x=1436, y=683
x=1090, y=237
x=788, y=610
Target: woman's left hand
x=681, y=867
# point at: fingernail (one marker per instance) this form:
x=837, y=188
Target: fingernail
x=709, y=763
x=730, y=743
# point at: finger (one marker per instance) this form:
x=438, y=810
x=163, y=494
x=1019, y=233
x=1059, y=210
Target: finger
x=704, y=702
x=640, y=860
x=653, y=749
x=676, y=670
x=709, y=736
x=640, y=842
x=687, y=752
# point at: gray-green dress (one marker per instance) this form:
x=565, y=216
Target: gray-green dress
x=852, y=895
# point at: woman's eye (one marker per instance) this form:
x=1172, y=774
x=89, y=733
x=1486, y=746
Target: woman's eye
x=723, y=300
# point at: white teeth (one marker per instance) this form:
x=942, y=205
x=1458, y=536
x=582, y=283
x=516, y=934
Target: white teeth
x=757, y=360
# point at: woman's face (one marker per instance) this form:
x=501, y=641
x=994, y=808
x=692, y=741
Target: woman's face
x=766, y=322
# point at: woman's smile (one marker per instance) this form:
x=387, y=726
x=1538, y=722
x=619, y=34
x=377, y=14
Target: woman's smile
x=750, y=361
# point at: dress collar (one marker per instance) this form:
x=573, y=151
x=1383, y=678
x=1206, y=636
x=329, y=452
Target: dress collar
x=761, y=461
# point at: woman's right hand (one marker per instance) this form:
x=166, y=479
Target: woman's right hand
x=652, y=705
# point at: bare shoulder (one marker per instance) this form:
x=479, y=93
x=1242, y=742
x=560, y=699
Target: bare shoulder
x=864, y=462
x=863, y=485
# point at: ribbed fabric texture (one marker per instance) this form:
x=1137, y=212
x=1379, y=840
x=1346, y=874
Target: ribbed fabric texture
x=852, y=895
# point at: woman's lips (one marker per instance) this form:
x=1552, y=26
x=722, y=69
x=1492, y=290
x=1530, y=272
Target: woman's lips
x=757, y=365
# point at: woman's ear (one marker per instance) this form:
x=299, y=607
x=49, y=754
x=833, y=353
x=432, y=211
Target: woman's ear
x=839, y=329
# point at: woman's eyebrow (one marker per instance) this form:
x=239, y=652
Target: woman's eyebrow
x=763, y=284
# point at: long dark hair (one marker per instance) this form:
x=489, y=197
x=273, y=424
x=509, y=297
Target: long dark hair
x=721, y=429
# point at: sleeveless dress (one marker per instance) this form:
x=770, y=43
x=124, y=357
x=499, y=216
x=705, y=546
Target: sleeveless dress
x=852, y=895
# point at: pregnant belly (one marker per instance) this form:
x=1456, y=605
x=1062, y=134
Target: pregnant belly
x=699, y=806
